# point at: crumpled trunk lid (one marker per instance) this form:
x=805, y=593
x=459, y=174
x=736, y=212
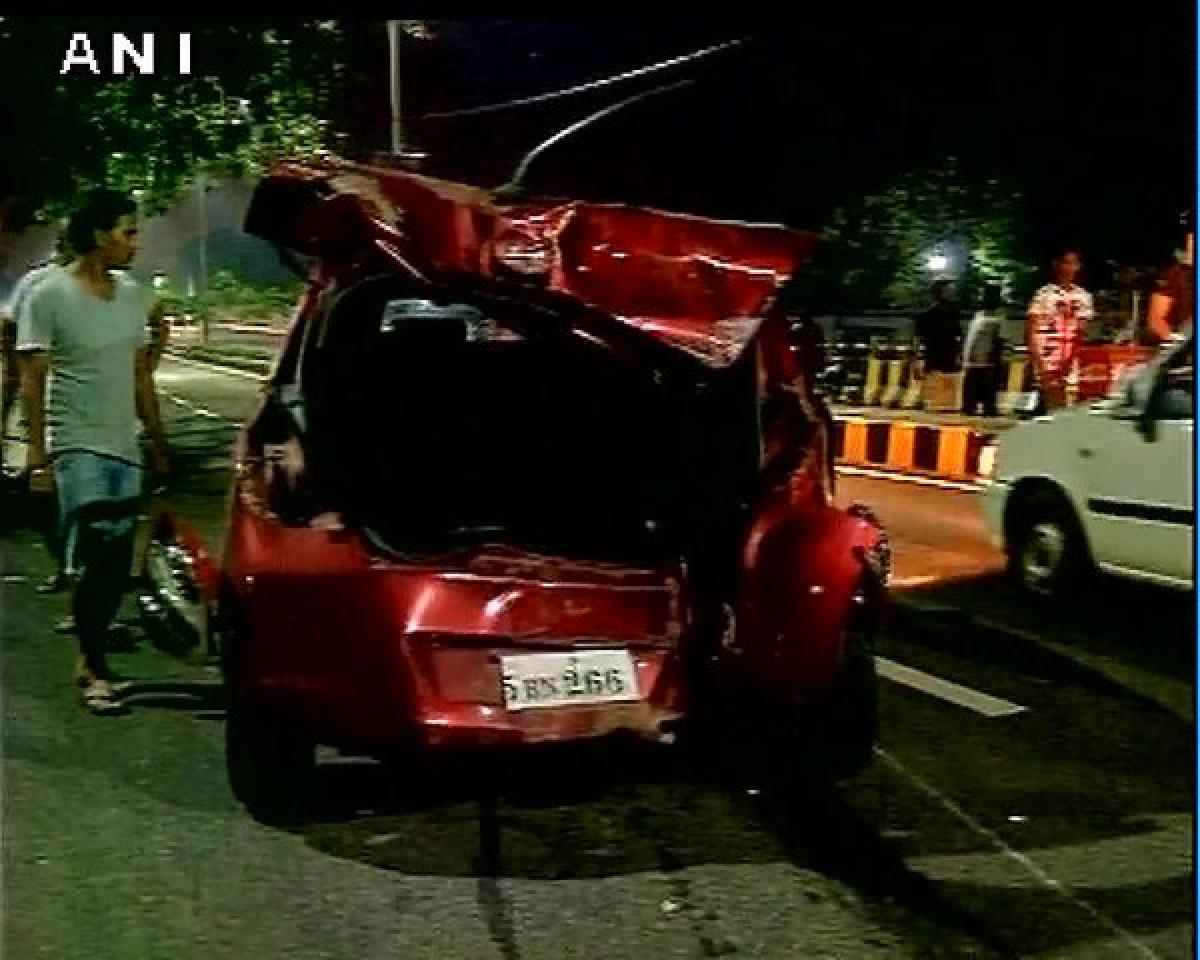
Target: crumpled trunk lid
x=694, y=284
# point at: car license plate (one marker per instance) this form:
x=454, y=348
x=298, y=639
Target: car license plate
x=563, y=679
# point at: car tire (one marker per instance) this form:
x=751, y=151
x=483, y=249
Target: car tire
x=819, y=743
x=271, y=767
x=1047, y=552
x=843, y=731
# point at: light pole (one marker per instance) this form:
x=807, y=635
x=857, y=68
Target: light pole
x=394, y=31
x=202, y=248
x=202, y=228
x=400, y=152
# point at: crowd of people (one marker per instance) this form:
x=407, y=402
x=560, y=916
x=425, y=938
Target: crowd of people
x=1056, y=321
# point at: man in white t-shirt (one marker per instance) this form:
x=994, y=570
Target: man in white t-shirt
x=1055, y=324
x=87, y=360
x=8, y=325
x=981, y=353
x=17, y=303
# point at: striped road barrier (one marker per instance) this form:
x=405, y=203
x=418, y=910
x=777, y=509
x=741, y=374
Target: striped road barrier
x=951, y=452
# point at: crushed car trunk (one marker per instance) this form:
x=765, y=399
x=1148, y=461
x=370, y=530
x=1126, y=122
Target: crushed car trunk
x=437, y=427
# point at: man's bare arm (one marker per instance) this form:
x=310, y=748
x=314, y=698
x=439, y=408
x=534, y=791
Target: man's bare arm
x=158, y=324
x=35, y=365
x=146, y=398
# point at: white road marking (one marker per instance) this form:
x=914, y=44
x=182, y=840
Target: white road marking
x=196, y=410
x=217, y=368
x=923, y=481
x=1028, y=865
x=1157, y=850
x=982, y=703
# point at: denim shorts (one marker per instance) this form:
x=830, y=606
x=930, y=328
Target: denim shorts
x=82, y=479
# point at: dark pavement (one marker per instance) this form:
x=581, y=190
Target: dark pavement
x=1032, y=795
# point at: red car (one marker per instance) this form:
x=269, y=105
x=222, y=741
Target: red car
x=524, y=473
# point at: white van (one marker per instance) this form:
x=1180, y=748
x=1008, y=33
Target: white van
x=1108, y=485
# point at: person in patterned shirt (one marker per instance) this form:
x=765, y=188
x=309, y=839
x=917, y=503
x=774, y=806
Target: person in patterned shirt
x=1055, y=324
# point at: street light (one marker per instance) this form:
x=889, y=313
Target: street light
x=937, y=261
x=402, y=152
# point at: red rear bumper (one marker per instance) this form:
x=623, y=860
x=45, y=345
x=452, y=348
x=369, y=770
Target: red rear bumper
x=365, y=653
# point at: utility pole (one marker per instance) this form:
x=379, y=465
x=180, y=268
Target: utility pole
x=202, y=248
x=393, y=28
x=400, y=150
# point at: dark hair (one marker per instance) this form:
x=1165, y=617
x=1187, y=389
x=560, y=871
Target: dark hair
x=1061, y=253
x=940, y=284
x=100, y=210
x=993, y=297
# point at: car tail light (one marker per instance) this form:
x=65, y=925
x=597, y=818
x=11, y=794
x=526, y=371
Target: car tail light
x=172, y=571
x=524, y=254
x=180, y=583
x=878, y=555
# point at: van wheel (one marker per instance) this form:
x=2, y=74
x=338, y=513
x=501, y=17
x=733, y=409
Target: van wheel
x=271, y=767
x=1047, y=554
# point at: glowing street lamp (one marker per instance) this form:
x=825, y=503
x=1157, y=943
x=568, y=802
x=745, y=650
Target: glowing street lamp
x=937, y=261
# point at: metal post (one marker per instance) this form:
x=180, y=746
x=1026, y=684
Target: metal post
x=202, y=229
x=393, y=28
x=202, y=221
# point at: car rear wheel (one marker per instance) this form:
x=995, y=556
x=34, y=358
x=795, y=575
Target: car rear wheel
x=1046, y=550
x=842, y=733
x=819, y=742
x=271, y=767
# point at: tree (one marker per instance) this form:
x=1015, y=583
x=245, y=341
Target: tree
x=257, y=91
x=877, y=247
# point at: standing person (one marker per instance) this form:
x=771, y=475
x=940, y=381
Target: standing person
x=9, y=377
x=1170, y=312
x=84, y=331
x=19, y=299
x=981, y=353
x=8, y=328
x=1055, y=324
x=939, y=330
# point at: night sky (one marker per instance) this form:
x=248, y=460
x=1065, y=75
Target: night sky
x=1090, y=117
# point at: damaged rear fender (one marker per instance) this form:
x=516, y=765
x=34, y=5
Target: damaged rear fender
x=806, y=578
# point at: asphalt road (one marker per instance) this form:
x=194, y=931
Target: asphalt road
x=1032, y=794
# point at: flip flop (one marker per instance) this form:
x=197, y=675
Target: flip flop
x=117, y=683
x=100, y=699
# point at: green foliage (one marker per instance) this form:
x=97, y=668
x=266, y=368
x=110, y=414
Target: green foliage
x=229, y=298
x=258, y=91
x=876, y=247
